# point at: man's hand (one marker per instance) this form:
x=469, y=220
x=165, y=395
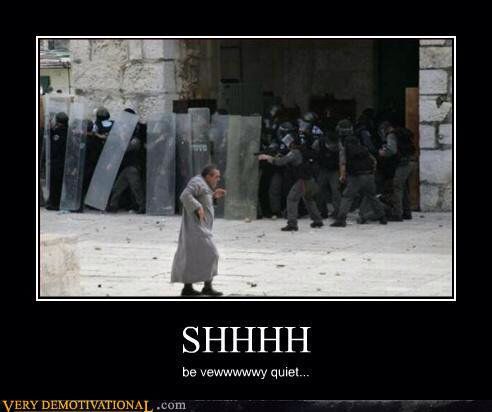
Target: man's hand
x=201, y=214
x=382, y=152
x=101, y=136
x=343, y=178
x=265, y=157
x=219, y=193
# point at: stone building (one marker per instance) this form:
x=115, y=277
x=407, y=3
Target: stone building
x=245, y=75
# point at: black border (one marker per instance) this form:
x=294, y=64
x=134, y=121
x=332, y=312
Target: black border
x=289, y=298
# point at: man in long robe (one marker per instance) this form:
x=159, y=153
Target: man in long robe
x=196, y=259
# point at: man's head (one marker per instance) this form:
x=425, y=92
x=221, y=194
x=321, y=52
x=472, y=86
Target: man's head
x=102, y=114
x=211, y=175
x=61, y=119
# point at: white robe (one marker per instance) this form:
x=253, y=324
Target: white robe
x=197, y=257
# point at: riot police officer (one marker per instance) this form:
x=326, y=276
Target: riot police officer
x=357, y=168
x=95, y=143
x=279, y=146
x=300, y=160
x=58, y=144
x=399, y=146
x=130, y=174
x=328, y=147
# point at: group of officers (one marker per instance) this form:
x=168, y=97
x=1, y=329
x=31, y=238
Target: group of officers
x=323, y=160
x=318, y=160
x=128, y=189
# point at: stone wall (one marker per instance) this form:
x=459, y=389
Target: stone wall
x=436, y=124
x=146, y=75
x=59, y=266
x=295, y=69
x=116, y=73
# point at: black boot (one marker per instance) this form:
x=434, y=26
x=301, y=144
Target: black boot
x=189, y=291
x=407, y=215
x=339, y=223
x=361, y=220
x=317, y=224
x=393, y=218
x=383, y=220
x=209, y=290
x=290, y=228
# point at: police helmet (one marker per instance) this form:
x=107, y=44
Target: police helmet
x=286, y=127
x=310, y=117
x=345, y=128
x=62, y=118
x=102, y=113
x=304, y=126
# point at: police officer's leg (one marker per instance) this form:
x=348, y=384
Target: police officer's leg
x=324, y=186
x=348, y=196
x=119, y=188
x=136, y=186
x=399, y=181
x=407, y=207
x=365, y=211
x=336, y=195
x=275, y=193
x=293, y=199
x=368, y=190
x=312, y=207
x=56, y=183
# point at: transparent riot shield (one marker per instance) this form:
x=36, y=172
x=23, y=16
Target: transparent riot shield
x=218, y=152
x=161, y=168
x=53, y=104
x=73, y=175
x=184, y=164
x=109, y=162
x=242, y=172
x=200, y=125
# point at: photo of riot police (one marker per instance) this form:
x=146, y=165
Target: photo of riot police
x=203, y=187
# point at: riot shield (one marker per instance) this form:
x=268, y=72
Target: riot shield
x=109, y=162
x=161, y=172
x=184, y=166
x=53, y=104
x=218, y=152
x=242, y=174
x=73, y=175
x=200, y=125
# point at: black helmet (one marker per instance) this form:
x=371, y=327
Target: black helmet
x=61, y=117
x=344, y=128
x=310, y=117
x=102, y=114
x=285, y=128
x=305, y=126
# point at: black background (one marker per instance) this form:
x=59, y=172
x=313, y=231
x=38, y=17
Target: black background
x=111, y=350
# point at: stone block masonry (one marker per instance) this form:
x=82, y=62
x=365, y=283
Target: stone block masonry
x=436, y=124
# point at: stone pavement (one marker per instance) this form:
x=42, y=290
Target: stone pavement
x=130, y=255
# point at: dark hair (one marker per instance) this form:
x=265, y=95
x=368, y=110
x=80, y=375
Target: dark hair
x=207, y=170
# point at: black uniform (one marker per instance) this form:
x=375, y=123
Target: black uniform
x=328, y=147
x=131, y=174
x=58, y=143
x=299, y=161
x=360, y=180
x=94, y=147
